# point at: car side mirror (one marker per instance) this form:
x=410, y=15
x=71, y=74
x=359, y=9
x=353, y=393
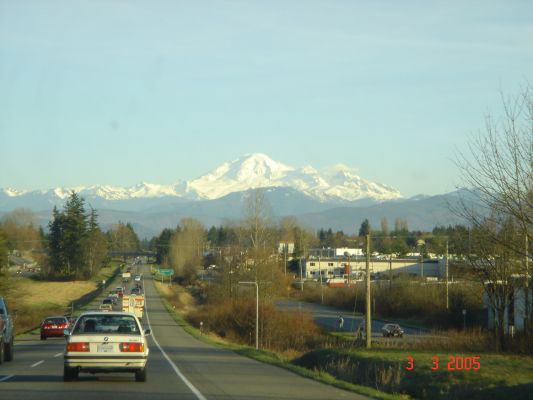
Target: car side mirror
x=147, y=332
x=66, y=332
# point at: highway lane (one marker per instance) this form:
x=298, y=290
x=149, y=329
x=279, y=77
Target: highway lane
x=188, y=369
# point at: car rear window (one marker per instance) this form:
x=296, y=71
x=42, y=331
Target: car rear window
x=55, y=321
x=99, y=324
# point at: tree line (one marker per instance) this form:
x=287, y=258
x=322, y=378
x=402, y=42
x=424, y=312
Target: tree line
x=74, y=247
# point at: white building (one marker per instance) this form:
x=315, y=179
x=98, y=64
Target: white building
x=340, y=266
x=342, y=251
x=287, y=247
x=515, y=311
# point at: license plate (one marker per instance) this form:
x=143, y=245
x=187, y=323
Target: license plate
x=104, y=348
x=54, y=326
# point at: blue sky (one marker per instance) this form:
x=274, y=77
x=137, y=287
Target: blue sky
x=119, y=92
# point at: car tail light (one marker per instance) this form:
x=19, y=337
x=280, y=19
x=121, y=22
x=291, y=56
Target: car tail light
x=132, y=347
x=78, y=346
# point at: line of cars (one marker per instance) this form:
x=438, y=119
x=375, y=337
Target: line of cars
x=107, y=340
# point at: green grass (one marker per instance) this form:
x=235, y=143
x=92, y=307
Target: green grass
x=499, y=375
x=275, y=359
x=107, y=271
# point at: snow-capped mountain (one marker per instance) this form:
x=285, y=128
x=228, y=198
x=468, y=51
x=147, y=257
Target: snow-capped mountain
x=339, y=184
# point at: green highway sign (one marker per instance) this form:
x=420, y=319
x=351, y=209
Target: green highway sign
x=166, y=272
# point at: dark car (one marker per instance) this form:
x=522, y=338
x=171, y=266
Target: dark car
x=54, y=326
x=6, y=333
x=389, y=330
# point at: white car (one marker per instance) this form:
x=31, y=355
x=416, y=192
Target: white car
x=106, y=342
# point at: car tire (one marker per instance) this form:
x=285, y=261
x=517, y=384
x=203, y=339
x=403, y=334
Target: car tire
x=140, y=375
x=43, y=337
x=8, y=351
x=70, y=374
x=1, y=351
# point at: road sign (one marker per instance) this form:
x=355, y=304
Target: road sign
x=166, y=272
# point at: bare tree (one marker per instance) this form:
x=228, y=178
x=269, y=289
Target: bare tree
x=497, y=170
x=186, y=248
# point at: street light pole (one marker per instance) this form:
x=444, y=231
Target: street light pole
x=368, y=318
x=256, y=310
x=446, y=266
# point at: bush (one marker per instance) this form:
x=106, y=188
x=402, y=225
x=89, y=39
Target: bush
x=235, y=320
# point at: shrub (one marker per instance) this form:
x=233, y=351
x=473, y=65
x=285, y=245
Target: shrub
x=235, y=320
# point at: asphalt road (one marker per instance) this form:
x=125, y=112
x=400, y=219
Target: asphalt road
x=179, y=366
x=328, y=317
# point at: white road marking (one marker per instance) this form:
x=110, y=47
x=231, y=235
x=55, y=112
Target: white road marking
x=5, y=378
x=58, y=354
x=37, y=363
x=193, y=388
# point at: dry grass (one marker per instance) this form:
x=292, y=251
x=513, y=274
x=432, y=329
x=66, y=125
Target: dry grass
x=178, y=296
x=31, y=301
x=61, y=293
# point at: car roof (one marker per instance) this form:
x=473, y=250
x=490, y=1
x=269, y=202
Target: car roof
x=105, y=313
x=55, y=316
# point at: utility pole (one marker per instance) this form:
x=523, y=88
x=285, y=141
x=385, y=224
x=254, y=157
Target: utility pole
x=421, y=263
x=320, y=273
x=285, y=254
x=526, y=286
x=446, y=268
x=301, y=277
x=390, y=271
x=368, y=318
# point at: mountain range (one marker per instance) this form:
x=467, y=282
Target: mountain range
x=334, y=198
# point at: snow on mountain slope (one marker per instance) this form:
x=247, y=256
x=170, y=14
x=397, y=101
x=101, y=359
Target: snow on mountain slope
x=248, y=172
x=338, y=184
x=258, y=170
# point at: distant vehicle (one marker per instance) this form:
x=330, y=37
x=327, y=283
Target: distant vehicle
x=134, y=304
x=389, y=330
x=106, y=342
x=138, y=278
x=120, y=291
x=108, y=300
x=54, y=327
x=135, y=290
x=113, y=296
x=126, y=276
x=336, y=282
x=6, y=333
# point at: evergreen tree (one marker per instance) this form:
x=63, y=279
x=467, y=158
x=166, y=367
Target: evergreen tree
x=74, y=233
x=365, y=228
x=96, y=246
x=76, y=246
x=55, y=244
